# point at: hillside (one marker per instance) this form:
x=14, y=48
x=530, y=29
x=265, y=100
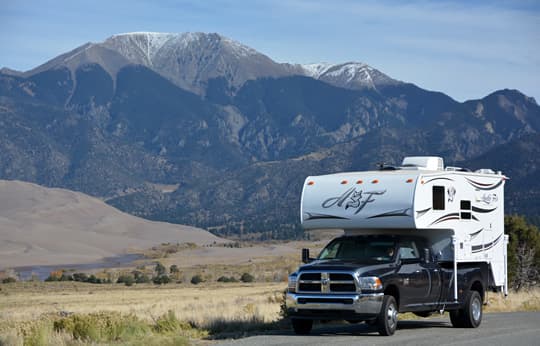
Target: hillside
x=232, y=130
x=42, y=226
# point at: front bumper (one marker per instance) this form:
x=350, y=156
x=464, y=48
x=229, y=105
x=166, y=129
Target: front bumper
x=334, y=306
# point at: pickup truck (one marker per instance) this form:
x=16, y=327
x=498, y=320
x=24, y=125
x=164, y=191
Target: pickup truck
x=372, y=278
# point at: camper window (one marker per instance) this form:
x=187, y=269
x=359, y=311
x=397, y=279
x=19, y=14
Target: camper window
x=438, y=197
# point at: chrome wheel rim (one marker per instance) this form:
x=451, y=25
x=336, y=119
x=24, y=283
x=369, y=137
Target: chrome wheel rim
x=476, y=308
x=391, y=316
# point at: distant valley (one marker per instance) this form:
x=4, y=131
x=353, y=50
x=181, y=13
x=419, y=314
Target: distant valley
x=235, y=133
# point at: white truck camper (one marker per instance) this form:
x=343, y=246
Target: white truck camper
x=459, y=214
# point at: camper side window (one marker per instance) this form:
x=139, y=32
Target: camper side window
x=465, y=210
x=438, y=197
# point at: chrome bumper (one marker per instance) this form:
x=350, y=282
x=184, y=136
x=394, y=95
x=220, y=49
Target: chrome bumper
x=365, y=304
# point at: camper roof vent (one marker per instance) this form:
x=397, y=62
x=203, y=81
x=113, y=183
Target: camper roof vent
x=430, y=163
x=485, y=171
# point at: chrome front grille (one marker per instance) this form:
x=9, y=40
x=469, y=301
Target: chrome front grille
x=326, y=282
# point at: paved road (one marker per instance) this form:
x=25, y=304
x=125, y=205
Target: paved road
x=514, y=329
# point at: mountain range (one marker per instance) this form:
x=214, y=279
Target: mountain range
x=199, y=129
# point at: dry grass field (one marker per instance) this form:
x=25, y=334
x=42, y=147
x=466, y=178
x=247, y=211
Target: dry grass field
x=179, y=313
x=29, y=312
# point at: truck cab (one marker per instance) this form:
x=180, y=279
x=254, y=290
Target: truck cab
x=372, y=278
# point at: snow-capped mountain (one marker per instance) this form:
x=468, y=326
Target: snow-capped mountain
x=191, y=60
x=116, y=120
x=351, y=75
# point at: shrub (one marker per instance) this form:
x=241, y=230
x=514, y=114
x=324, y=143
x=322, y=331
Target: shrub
x=102, y=327
x=82, y=277
x=126, y=279
x=93, y=279
x=162, y=279
x=227, y=279
x=174, y=269
x=196, y=279
x=141, y=278
x=66, y=277
x=9, y=280
x=247, y=277
x=160, y=269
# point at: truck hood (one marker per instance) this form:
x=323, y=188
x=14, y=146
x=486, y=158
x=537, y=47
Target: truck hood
x=337, y=265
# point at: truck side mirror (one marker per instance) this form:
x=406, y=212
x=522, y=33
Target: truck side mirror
x=305, y=256
x=427, y=255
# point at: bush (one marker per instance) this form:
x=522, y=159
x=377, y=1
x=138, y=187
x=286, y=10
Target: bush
x=227, y=279
x=66, y=277
x=174, y=269
x=9, y=280
x=102, y=327
x=169, y=323
x=160, y=269
x=162, y=279
x=81, y=277
x=197, y=279
x=94, y=280
x=126, y=279
x=247, y=277
x=141, y=278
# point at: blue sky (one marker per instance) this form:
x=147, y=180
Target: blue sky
x=466, y=49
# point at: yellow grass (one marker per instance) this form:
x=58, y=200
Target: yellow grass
x=200, y=304
x=521, y=301
x=210, y=307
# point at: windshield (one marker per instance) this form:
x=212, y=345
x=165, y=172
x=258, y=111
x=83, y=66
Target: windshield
x=359, y=249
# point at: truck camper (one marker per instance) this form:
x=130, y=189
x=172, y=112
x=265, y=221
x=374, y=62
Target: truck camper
x=417, y=238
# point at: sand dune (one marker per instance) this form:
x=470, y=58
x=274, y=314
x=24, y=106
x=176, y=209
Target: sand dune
x=43, y=226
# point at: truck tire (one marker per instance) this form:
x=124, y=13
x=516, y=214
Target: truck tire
x=471, y=314
x=387, y=319
x=301, y=326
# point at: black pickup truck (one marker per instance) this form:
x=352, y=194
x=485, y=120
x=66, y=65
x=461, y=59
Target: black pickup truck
x=372, y=278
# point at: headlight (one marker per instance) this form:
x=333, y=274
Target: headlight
x=370, y=283
x=292, y=282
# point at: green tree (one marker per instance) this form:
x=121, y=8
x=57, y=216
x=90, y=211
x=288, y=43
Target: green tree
x=247, y=277
x=160, y=269
x=523, y=252
x=196, y=279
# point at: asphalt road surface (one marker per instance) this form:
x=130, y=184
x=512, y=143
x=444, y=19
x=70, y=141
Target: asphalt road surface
x=505, y=329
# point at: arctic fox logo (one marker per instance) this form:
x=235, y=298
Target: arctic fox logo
x=352, y=199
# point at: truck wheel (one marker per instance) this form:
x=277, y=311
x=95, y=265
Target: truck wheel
x=387, y=319
x=302, y=326
x=471, y=315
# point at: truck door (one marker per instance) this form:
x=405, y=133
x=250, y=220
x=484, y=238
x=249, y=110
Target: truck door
x=414, y=277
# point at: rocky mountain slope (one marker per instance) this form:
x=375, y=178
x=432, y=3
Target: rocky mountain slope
x=232, y=130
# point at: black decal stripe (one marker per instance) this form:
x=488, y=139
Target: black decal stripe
x=430, y=180
x=478, y=183
x=400, y=212
x=479, y=248
x=474, y=234
x=475, y=218
x=313, y=216
x=485, y=187
x=480, y=210
x=446, y=217
x=420, y=213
